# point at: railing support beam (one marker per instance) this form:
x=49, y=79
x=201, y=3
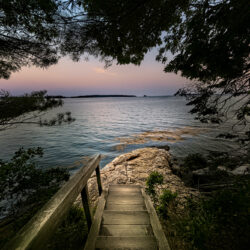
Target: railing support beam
x=99, y=182
x=85, y=203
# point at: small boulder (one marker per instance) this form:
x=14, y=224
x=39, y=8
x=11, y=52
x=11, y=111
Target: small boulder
x=242, y=170
x=222, y=168
x=202, y=171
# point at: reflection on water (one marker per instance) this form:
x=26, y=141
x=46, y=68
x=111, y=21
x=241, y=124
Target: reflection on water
x=100, y=121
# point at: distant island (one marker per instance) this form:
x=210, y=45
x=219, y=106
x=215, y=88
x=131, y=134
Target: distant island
x=89, y=96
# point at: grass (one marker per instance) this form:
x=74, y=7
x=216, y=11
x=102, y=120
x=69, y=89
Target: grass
x=220, y=221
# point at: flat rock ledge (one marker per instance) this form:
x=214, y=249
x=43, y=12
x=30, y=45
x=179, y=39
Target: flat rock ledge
x=134, y=168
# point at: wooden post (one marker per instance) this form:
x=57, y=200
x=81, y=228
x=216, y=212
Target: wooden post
x=85, y=203
x=99, y=182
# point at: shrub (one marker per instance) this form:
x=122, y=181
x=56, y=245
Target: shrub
x=153, y=179
x=221, y=221
x=72, y=233
x=24, y=189
x=165, y=199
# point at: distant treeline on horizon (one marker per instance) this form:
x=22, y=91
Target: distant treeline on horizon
x=98, y=96
x=88, y=96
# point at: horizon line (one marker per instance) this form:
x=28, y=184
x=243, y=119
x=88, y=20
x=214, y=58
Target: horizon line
x=106, y=95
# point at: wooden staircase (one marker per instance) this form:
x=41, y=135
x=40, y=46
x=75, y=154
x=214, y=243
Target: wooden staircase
x=125, y=219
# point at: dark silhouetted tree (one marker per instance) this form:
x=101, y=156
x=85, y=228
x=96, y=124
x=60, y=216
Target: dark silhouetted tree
x=29, y=109
x=209, y=41
x=28, y=34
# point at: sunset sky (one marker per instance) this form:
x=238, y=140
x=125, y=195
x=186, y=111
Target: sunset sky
x=83, y=78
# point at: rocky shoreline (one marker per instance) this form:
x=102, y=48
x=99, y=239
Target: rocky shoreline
x=135, y=167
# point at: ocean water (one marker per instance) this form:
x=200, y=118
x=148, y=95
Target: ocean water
x=100, y=121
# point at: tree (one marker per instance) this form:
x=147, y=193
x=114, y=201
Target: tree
x=123, y=30
x=24, y=187
x=29, y=109
x=31, y=32
x=212, y=48
x=28, y=33
x=209, y=41
x=209, y=44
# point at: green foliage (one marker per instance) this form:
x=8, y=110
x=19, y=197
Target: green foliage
x=126, y=30
x=24, y=189
x=153, y=179
x=166, y=198
x=22, y=183
x=72, y=233
x=13, y=109
x=208, y=47
x=195, y=161
x=209, y=44
x=28, y=31
x=220, y=221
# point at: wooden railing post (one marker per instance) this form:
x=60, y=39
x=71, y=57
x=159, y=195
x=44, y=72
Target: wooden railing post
x=99, y=182
x=85, y=203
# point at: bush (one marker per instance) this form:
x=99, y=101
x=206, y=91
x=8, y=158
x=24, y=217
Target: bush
x=24, y=189
x=21, y=181
x=72, y=233
x=153, y=179
x=221, y=221
x=165, y=199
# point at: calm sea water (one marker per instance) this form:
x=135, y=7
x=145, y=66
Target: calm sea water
x=99, y=121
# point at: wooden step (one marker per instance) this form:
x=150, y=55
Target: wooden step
x=125, y=218
x=125, y=194
x=126, y=199
x=109, y=242
x=126, y=230
x=125, y=207
x=125, y=188
x=125, y=191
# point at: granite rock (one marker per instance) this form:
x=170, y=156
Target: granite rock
x=135, y=167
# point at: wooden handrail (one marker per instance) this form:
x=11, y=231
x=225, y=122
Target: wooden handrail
x=36, y=233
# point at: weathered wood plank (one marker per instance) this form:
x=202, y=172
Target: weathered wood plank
x=125, y=192
x=125, y=218
x=118, y=195
x=40, y=228
x=94, y=231
x=126, y=230
x=106, y=242
x=125, y=207
x=155, y=223
x=125, y=200
x=124, y=187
